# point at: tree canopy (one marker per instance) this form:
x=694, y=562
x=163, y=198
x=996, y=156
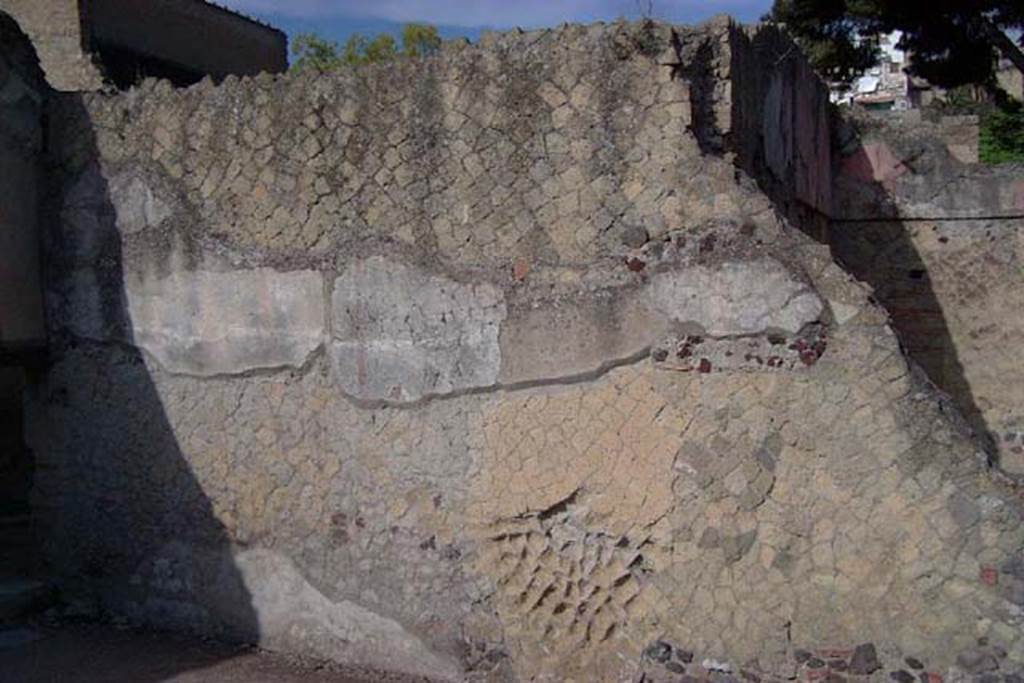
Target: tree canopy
x=419, y=40
x=313, y=52
x=950, y=42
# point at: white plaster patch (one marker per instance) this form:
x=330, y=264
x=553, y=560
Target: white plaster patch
x=401, y=333
x=202, y=322
x=210, y=323
x=736, y=298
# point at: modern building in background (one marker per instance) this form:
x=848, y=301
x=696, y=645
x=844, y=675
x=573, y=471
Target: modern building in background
x=83, y=44
x=886, y=86
x=889, y=87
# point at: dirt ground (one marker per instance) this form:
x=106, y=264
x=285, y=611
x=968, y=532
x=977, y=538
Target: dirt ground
x=103, y=654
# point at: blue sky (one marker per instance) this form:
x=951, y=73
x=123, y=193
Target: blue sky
x=338, y=19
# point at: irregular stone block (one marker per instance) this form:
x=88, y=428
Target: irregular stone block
x=401, y=333
x=136, y=205
x=864, y=660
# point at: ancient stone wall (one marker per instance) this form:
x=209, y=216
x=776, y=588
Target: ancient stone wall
x=56, y=29
x=490, y=366
x=22, y=92
x=942, y=243
x=82, y=42
x=781, y=123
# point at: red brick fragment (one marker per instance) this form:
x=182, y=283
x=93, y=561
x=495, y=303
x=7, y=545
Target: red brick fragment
x=520, y=269
x=989, y=576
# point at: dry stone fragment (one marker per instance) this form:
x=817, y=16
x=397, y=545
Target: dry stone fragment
x=864, y=660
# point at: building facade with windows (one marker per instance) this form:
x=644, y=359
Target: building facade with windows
x=886, y=86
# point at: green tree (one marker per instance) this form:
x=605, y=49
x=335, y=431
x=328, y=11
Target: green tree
x=313, y=52
x=354, y=52
x=361, y=50
x=380, y=49
x=420, y=40
x=950, y=42
x=1001, y=137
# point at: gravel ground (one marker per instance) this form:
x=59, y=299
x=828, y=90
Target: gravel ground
x=100, y=653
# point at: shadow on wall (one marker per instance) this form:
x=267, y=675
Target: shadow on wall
x=871, y=238
x=123, y=518
x=783, y=133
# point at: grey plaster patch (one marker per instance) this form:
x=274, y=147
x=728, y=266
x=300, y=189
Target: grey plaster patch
x=576, y=335
x=294, y=616
x=401, y=333
x=208, y=323
x=736, y=298
x=135, y=204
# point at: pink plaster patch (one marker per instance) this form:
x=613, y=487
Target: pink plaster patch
x=873, y=162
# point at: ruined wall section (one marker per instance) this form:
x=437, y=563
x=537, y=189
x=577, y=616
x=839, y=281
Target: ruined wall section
x=780, y=123
x=525, y=157
x=941, y=242
x=486, y=366
x=22, y=99
x=56, y=28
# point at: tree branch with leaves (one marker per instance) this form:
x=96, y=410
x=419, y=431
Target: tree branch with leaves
x=319, y=54
x=950, y=42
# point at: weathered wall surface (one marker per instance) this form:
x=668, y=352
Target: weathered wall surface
x=780, y=122
x=22, y=92
x=941, y=242
x=490, y=366
x=56, y=30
